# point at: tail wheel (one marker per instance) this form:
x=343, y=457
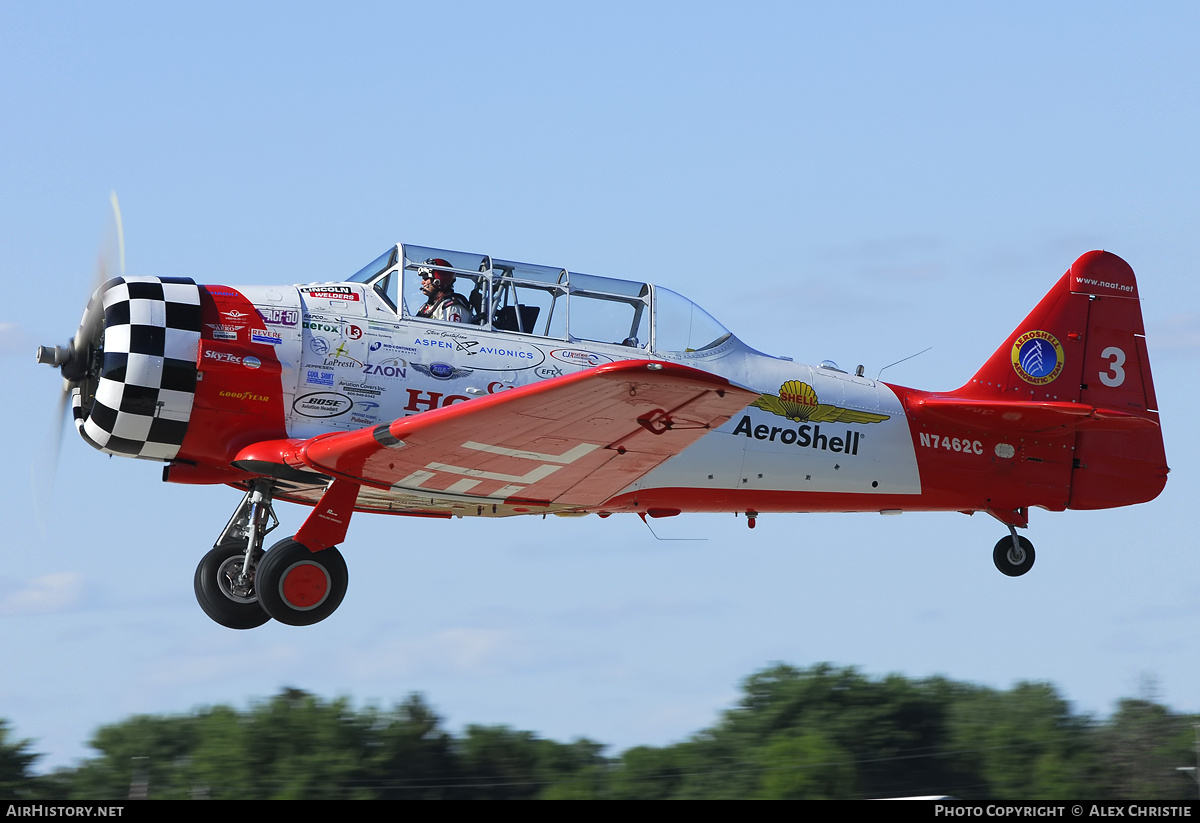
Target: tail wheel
x=224, y=592
x=1013, y=556
x=299, y=587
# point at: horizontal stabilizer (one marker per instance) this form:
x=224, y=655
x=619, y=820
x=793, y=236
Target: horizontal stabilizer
x=1031, y=416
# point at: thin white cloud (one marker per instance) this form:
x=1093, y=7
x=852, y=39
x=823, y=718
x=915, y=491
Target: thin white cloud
x=48, y=593
x=14, y=339
x=469, y=651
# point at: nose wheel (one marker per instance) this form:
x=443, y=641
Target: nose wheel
x=300, y=587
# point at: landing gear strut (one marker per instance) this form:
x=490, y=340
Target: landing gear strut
x=226, y=577
x=1013, y=555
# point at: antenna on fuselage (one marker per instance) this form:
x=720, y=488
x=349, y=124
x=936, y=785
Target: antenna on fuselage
x=898, y=362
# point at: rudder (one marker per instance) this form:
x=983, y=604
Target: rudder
x=1115, y=468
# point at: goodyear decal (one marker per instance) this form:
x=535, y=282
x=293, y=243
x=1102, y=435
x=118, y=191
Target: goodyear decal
x=1037, y=357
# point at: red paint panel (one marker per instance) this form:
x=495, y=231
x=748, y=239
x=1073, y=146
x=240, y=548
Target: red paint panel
x=239, y=396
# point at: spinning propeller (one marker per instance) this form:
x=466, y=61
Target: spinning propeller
x=79, y=362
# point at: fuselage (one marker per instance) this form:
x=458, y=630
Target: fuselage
x=298, y=362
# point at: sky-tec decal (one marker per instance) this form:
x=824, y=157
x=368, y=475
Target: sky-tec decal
x=1037, y=357
x=798, y=402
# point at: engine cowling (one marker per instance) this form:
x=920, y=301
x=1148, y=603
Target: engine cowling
x=138, y=402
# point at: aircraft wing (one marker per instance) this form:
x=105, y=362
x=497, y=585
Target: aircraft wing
x=574, y=440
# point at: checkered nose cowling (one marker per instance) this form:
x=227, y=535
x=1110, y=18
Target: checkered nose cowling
x=141, y=401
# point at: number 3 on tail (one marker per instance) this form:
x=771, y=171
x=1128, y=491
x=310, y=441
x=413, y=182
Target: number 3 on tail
x=1115, y=375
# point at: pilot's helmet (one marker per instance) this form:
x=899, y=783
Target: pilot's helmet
x=442, y=280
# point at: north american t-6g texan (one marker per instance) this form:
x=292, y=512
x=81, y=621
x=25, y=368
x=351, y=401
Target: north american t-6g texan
x=436, y=383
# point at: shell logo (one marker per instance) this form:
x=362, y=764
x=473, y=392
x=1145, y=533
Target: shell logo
x=798, y=402
x=798, y=399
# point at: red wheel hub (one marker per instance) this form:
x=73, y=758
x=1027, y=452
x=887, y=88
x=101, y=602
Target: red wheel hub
x=305, y=585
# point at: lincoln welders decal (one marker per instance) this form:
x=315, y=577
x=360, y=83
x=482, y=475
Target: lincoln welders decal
x=331, y=292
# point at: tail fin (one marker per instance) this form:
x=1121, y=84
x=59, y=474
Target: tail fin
x=1084, y=347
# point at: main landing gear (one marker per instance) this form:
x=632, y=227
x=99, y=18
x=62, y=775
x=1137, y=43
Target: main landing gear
x=241, y=587
x=1013, y=555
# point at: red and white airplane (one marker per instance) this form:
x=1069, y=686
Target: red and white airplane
x=546, y=391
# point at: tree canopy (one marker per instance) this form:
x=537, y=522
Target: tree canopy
x=820, y=732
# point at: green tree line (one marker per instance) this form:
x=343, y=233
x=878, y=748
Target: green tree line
x=820, y=732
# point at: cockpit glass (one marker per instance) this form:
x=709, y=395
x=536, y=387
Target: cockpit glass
x=681, y=325
x=380, y=264
x=607, y=310
x=544, y=300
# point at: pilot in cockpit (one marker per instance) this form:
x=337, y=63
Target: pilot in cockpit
x=442, y=302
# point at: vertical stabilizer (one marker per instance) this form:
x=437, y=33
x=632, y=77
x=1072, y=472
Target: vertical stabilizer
x=1085, y=343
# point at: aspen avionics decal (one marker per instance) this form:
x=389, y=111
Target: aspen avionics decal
x=1037, y=357
x=798, y=402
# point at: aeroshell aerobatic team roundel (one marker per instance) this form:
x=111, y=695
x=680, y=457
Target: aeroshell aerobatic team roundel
x=1037, y=357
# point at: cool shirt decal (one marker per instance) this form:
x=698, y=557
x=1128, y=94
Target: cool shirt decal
x=1037, y=357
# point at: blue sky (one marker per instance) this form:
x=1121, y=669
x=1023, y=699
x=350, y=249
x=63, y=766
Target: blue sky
x=856, y=183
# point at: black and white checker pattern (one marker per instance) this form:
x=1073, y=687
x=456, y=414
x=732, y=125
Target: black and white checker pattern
x=148, y=380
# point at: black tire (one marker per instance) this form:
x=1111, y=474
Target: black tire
x=299, y=587
x=216, y=590
x=1012, y=560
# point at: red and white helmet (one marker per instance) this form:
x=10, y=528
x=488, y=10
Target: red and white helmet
x=442, y=280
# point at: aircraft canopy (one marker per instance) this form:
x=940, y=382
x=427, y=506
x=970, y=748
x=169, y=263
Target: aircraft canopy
x=547, y=301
